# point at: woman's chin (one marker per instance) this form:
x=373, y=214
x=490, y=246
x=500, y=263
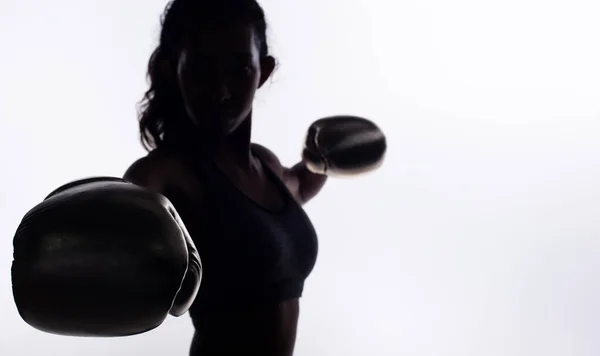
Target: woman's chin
x=219, y=123
x=230, y=122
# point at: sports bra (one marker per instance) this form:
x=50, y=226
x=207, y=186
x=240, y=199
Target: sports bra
x=249, y=254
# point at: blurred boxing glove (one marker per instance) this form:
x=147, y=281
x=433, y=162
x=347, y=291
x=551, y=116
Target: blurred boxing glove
x=343, y=146
x=103, y=257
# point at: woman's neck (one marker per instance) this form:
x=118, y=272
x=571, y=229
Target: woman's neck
x=234, y=149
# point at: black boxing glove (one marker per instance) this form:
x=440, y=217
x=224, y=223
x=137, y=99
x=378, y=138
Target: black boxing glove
x=343, y=146
x=103, y=257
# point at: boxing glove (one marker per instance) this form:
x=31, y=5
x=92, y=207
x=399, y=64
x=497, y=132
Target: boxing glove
x=343, y=146
x=103, y=257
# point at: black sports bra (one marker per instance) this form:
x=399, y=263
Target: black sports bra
x=250, y=255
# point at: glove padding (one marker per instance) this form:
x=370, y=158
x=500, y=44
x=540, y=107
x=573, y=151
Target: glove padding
x=103, y=257
x=344, y=146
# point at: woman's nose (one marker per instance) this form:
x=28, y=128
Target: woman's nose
x=223, y=93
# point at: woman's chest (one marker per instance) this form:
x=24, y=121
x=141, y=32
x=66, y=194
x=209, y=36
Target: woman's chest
x=277, y=245
x=244, y=240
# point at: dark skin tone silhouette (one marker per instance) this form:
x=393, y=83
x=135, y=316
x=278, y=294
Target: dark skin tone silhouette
x=218, y=74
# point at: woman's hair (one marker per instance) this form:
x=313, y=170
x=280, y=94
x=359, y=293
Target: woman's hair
x=161, y=112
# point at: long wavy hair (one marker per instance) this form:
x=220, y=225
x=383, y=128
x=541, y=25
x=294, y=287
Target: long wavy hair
x=162, y=115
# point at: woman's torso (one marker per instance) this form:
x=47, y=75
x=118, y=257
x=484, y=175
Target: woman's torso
x=257, y=247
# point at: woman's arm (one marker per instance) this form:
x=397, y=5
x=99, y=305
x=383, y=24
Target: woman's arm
x=302, y=183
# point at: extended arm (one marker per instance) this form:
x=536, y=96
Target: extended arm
x=339, y=146
x=302, y=183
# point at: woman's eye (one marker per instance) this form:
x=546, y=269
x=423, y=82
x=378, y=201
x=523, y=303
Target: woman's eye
x=244, y=69
x=196, y=69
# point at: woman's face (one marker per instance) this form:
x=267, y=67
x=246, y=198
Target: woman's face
x=218, y=74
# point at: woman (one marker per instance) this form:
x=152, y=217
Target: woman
x=104, y=257
x=241, y=206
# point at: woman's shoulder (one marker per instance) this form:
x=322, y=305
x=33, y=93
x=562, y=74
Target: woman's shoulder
x=152, y=166
x=161, y=169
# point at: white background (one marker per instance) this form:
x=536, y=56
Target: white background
x=479, y=236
